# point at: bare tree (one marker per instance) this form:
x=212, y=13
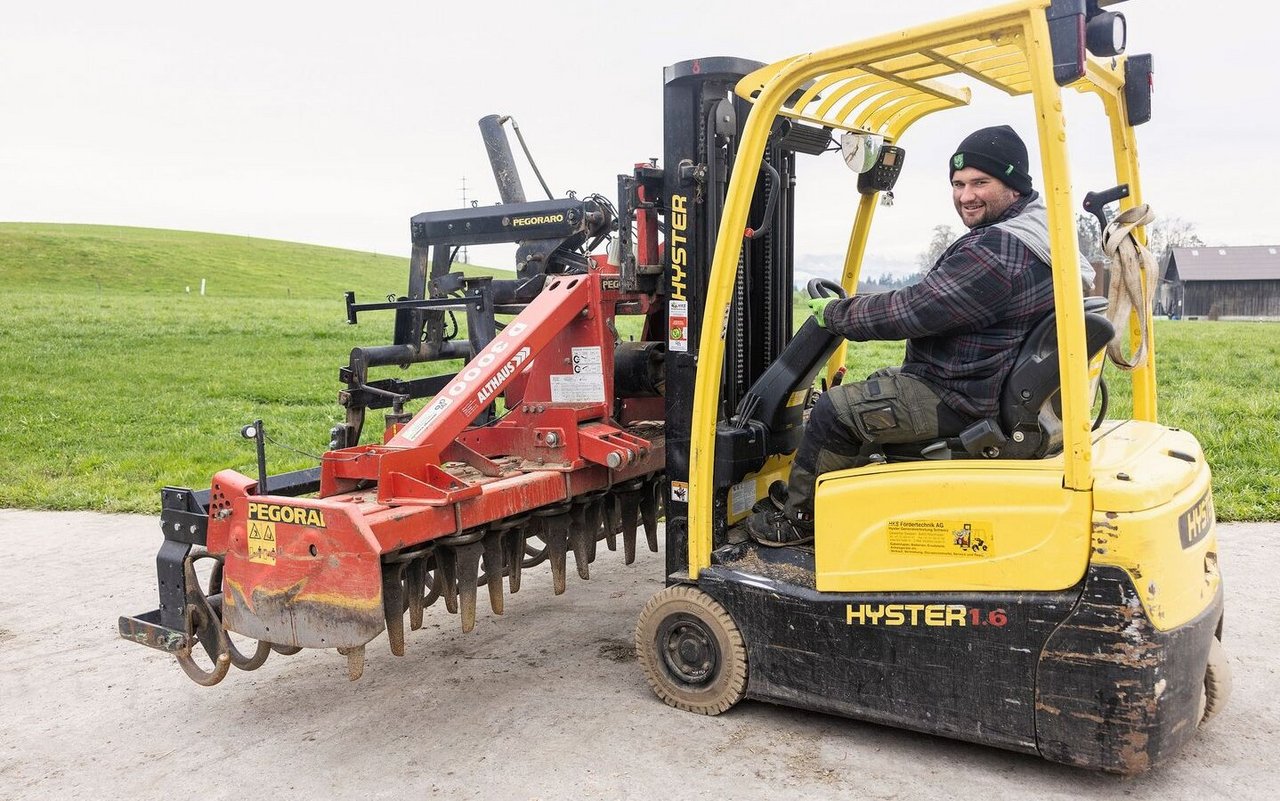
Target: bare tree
x=942, y=238
x=1167, y=233
x=1089, y=237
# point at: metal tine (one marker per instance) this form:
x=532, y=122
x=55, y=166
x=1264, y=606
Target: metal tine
x=467, y=566
x=556, y=535
x=612, y=520
x=630, y=505
x=649, y=514
x=595, y=522
x=415, y=579
x=493, y=562
x=355, y=661
x=393, y=605
x=446, y=578
x=513, y=542
x=429, y=574
x=580, y=535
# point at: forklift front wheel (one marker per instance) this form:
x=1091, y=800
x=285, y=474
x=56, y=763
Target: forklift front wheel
x=692, y=652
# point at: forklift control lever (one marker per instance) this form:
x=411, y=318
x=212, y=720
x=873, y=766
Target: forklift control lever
x=1095, y=202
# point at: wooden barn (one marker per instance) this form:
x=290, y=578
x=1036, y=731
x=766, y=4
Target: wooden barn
x=1226, y=283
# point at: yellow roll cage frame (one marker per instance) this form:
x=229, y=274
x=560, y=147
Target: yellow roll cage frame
x=883, y=85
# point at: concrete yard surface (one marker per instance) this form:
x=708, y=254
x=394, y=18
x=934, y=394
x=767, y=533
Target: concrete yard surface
x=544, y=702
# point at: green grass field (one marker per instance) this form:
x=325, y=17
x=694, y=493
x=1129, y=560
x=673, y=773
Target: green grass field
x=120, y=381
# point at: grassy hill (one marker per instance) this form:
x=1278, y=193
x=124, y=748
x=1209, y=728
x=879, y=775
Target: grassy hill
x=119, y=381
x=147, y=261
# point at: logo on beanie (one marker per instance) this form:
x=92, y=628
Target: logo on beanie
x=957, y=161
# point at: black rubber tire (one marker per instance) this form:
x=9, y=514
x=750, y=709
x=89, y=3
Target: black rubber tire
x=683, y=623
x=1217, y=681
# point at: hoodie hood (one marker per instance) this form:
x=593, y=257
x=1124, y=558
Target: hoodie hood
x=1031, y=228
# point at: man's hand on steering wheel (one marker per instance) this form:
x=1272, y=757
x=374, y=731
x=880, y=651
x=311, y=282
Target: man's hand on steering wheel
x=818, y=307
x=821, y=293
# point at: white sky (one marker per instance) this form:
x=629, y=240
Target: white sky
x=333, y=123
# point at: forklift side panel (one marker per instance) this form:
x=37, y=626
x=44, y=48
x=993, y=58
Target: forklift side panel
x=972, y=525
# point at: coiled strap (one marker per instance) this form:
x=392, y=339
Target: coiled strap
x=1126, y=293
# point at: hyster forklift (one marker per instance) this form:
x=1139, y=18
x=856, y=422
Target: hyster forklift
x=1045, y=582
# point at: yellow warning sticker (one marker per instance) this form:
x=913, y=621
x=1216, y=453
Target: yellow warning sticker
x=262, y=542
x=797, y=397
x=941, y=537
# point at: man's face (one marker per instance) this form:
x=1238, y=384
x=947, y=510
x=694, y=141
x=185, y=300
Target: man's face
x=979, y=198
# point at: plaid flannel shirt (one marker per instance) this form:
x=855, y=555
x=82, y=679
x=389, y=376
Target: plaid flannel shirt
x=965, y=321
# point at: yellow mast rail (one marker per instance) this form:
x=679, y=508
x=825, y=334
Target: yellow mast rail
x=1106, y=80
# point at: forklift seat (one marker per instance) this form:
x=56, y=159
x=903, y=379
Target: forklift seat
x=1030, y=420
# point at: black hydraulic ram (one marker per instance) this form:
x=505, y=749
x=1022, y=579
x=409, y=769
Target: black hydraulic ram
x=498, y=147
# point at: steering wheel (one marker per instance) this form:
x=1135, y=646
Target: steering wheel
x=824, y=288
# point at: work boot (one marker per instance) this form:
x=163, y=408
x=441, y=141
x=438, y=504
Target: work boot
x=776, y=500
x=775, y=529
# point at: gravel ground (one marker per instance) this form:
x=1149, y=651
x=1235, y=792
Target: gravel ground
x=544, y=702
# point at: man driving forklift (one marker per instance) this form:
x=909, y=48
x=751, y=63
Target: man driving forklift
x=964, y=323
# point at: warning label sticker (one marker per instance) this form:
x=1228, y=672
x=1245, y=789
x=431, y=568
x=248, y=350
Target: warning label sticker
x=577, y=388
x=678, y=325
x=680, y=491
x=587, y=360
x=262, y=542
x=940, y=537
x=742, y=496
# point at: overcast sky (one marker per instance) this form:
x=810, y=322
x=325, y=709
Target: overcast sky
x=333, y=123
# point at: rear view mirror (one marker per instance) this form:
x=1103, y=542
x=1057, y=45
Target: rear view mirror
x=860, y=150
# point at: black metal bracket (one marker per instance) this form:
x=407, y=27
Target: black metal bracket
x=353, y=308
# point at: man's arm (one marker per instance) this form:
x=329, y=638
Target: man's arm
x=968, y=290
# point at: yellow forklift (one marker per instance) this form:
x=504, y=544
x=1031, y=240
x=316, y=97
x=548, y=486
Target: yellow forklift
x=1046, y=582
x=1043, y=582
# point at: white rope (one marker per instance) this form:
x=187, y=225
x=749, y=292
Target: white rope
x=1125, y=293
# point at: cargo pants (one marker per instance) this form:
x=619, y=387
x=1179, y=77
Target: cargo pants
x=889, y=407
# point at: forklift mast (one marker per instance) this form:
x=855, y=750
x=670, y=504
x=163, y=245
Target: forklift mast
x=703, y=125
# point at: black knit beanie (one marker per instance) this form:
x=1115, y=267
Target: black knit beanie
x=997, y=151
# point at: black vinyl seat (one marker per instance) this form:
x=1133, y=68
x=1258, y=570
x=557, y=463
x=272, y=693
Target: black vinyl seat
x=1029, y=425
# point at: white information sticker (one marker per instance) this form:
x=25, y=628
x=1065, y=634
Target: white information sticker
x=678, y=325
x=426, y=418
x=587, y=360
x=577, y=388
x=742, y=496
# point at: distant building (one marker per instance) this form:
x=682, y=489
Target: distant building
x=1227, y=283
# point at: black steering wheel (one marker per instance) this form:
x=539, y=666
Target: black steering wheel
x=824, y=288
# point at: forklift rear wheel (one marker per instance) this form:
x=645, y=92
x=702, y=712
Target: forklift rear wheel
x=693, y=653
x=1217, y=680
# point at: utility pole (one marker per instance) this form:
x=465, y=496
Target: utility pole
x=463, y=189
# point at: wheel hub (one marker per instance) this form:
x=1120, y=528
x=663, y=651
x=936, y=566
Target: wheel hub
x=689, y=649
